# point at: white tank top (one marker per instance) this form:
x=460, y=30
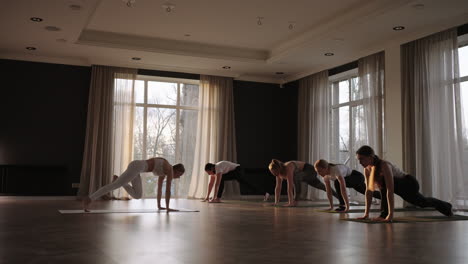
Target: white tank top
x=338, y=170
x=158, y=168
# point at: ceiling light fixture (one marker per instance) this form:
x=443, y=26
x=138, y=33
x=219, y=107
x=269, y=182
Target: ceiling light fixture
x=226, y=67
x=75, y=7
x=129, y=3
x=136, y=58
x=36, y=19
x=187, y=35
x=52, y=28
x=168, y=7
x=328, y=54
x=30, y=48
x=259, y=21
x=279, y=73
x=418, y=6
x=398, y=28
x=292, y=24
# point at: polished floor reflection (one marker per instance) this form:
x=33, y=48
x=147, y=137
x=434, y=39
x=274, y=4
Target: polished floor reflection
x=33, y=231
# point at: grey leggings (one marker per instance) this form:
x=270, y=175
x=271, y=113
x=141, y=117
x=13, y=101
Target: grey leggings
x=131, y=174
x=308, y=175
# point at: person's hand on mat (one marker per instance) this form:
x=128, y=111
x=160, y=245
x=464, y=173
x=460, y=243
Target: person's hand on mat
x=172, y=210
x=381, y=219
x=217, y=200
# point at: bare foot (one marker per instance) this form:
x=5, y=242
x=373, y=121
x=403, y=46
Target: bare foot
x=85, y=203
x=217, y=200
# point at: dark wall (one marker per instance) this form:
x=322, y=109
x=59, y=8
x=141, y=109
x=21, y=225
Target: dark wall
x=43, y=122
x=43, y=117
x=266, y=123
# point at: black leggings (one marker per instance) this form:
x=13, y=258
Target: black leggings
x=408, y=188
x=356, y=181
x=237, y=175
x=308, y=175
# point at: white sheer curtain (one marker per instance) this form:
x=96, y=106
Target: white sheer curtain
x=432, y=121
x=108, y=141
x=215, y=140
x=313, y=123
x=124, y=113
x=368, y=120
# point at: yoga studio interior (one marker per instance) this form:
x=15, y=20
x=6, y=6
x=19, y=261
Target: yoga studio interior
x=234, y=131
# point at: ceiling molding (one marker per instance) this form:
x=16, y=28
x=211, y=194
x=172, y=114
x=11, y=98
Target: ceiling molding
x=333, y=25
x=45, y=59
x=166, y=46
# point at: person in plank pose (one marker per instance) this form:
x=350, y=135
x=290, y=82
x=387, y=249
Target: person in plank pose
x=343, y=176
x=392, y=180
x=158, y=166
x=294, y=172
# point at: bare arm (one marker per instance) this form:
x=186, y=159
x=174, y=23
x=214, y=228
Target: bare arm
x=279, y=182
x=159, y=195
x=168, y=188
x=210, y=187
x=388, y=177
x=329, y=192
x=344, y=193
x=219, y=176
x=368, y=195
x=290, y=193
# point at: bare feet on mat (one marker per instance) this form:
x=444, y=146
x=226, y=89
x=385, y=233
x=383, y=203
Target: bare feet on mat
x=216, y=200
x=85, y=203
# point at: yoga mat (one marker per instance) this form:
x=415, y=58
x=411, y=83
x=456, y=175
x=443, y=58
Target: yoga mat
x=413, y=219
x=351, y=211
x=123, y=211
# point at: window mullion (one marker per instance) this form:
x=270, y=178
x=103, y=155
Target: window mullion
x=145, y=117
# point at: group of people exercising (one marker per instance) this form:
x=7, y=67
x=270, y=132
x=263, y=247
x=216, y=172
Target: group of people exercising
x=378, y=174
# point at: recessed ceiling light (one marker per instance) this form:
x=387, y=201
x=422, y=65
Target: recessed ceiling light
x=36, y=19
x=187, y=35
x=136, y=58
x=329, y=54
x=226, y=67
x=168, y=7
x=75, y=7
x=52, y=28
x=30, y=48
x=279, y=73
x=259, y=21
x=418, y=6
x=398, y=28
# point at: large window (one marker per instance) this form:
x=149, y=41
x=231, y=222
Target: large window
x=165, y=126
x=463, y=62
x=347, y=117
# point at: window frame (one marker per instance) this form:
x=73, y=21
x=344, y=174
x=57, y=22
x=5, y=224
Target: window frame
x=337, y=78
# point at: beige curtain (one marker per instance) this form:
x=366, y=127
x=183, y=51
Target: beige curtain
x=369, y=131
x=432, y=118
x=313, y=123
x=215, y=140
x=109, y=127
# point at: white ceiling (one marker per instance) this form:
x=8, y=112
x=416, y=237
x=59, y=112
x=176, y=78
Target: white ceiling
x=221, y=33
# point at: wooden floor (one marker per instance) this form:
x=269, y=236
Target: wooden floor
x=33, y=231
